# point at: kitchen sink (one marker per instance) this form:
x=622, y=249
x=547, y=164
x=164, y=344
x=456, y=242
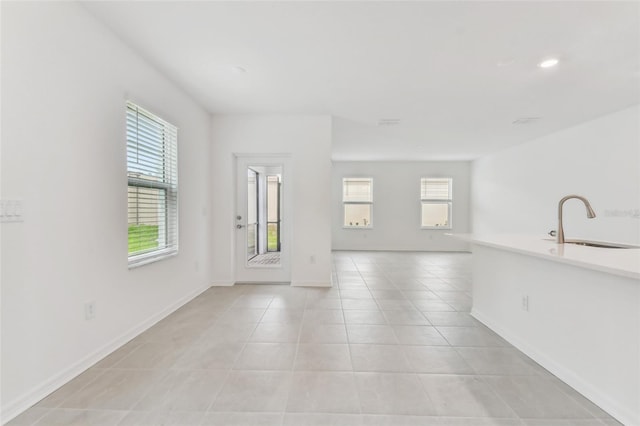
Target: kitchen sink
x=599, y=244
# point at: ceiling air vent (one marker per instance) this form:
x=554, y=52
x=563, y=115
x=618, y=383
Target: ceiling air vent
x=526, y=120
x=388, y=122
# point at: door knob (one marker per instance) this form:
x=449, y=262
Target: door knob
x=239, y=226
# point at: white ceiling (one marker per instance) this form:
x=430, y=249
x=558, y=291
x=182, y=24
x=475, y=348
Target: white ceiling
x=457, y=74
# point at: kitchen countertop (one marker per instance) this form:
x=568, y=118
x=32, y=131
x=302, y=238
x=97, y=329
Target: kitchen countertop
x=622, y=262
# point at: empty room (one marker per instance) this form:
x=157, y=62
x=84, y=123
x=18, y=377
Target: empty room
x=320, y=213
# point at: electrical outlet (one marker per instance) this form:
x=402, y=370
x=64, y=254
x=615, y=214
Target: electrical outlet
x=525, y=303
x=89, y=310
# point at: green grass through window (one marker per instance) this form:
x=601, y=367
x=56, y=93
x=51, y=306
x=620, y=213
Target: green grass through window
x=142, y=238
x=272, y=237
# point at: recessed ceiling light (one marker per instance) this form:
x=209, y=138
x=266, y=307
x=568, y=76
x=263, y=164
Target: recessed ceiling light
x=548, y=63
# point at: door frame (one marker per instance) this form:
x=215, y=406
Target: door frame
x=243, y=273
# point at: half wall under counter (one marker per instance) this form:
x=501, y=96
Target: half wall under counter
x=573, y=309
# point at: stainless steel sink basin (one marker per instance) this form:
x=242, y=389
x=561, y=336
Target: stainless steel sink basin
x=599, y=244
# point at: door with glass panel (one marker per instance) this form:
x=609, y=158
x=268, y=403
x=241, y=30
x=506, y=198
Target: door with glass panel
x=261, y=226
x=252, y=213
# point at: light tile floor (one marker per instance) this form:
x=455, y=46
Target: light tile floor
x=391, y=344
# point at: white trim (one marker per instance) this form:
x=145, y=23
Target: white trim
x=165, y=145
x=20, y=404
x=264, y=155
x=266, y=266
x=436, y=228
x=367, y=203
x=619, y=412
x=151, y=257
x=311, y=283
x=449, y=203
x=243, y=272
x=222, y=283
x=346, y=203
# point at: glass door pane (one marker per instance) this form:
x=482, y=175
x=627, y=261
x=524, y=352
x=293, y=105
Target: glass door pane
x=273, y=213
x=252, y=213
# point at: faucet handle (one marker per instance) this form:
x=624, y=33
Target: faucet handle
x=552, y=233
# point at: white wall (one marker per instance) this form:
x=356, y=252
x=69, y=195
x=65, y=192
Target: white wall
x=591, y=344
x=308, y=140
x=396, y=206
x=65, y=79
x=517, y=190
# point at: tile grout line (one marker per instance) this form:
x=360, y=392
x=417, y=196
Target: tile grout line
x=244, y=345
x=353, y=372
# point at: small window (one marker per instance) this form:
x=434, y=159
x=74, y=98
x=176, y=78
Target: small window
x=152, y=175
x=357, y=199
x=436, y=201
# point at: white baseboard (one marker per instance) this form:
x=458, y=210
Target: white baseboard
x=465, y=249
x=310, y=283
x=16, y=407
x=293, y=283
x=592, y=393
x=222, y=283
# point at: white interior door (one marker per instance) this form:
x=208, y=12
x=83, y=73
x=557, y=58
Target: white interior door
x=263, y=203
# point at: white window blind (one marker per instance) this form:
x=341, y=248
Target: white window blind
x=436, y=203
x=357, y=190
x=152, y=172
x=357, y=199
x=436, y=188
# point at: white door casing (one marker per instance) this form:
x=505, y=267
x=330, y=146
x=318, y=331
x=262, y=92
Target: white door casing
x=244, y=271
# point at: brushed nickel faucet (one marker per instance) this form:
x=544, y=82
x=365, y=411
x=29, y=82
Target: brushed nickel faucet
x=590, y=214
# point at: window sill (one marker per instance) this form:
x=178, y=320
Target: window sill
x=357, y=227
x=155, y=256
x=436, y=228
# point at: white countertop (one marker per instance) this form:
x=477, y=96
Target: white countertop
x=623, y=262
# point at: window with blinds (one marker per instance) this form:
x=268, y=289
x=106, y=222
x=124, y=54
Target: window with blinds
x=436, y=202
x=152, y=173
x=357, y=199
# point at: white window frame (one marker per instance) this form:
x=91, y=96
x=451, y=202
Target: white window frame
x=425, y=199
x=168, y=183
x=345, y=203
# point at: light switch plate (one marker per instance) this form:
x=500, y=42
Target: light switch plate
x=11, y=211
